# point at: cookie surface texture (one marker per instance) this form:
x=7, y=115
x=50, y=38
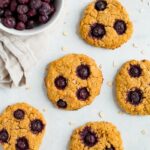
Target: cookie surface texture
x=133, y=87
x=106, y=24
x=96, y=136
x=73, y=81
x=22, y=127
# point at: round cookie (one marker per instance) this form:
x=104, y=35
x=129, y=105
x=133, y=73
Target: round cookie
x=106, y=24
x=133, y=87
x=22, y=127
x=73, y=81
x=96, y=136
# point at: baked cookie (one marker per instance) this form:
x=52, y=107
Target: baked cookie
x=73, y=81
x=22, y=127
x=133, y=87
x=96, y=136
x=106, y=24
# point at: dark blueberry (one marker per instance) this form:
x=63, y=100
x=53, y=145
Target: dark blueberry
x=13, y=5
x=36, y=126
x=61, y=104
x=135, y=71
x=46, y=9
x=9, y=22
x=31, y=24
x=19, y=114
x=22, y=9
x=4, y=3
x=135, y=97
x=3, y=136
x=23, y=18
x=120, y=27
x=20, y=26
x=1, y=12
x=22, y=144
x=35, y=4
x=110, y=148
x=7, y=13
x=83, y=71
x=100, y=5
x=31, y=13
x=47, y=1
x=23, y=1
x=88, y=137
x=98, y=31
x=83, y=93
x=43, y=19
x=60, y=82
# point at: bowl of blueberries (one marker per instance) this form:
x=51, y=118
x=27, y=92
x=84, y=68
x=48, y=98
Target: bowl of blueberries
x=28, y=17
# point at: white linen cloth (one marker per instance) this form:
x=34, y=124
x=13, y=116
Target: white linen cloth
x=17, y=58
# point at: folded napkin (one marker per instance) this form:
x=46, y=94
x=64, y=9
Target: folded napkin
x=16, y=59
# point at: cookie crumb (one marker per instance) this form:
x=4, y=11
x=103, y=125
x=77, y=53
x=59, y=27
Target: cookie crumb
x=101, y=114
x=109, y=83
x=100, y=66
x=120, y=112
x=143, y=132
x=142, y=52
x=65, y=33
x=141, y=10
x=44, y=110
x=71, y=123
x=64, y=48
x=134, y=45
x=28, y=88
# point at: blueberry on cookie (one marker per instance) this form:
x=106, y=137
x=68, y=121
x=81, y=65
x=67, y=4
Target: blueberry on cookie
x=133, y=87
x=73, y=81
x=96, y=136
x=106, y=24
x=22, y=127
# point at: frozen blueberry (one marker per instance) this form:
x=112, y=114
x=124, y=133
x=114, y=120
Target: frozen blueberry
x=22, y=18
x=4, y=3
x=88, y=137
x=31, y=13
x=135, y=71
x=23, y=1
x=19, y=114
x=98, y=31
x=31, y=24
x=61, y=104
x=22, y=9
x=83, y=71
x=120, y=27
x=3, y=136
x=35, y=4
x=1, y=12
x=83, y=94
x=9, y=22
x=36, y=126
x=43, y=19
x=22, y=144
x=46, y=9
x=60, y=82
x=135, y=97
x=110, y=148
x=13, y=5
x=7, y=13
x=100, y=5
x=20, y=26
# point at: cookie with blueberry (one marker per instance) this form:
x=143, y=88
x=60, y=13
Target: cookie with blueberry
x=96, y=136
x=73, y=81
x=106, y=24
x=133, y=87
x=22, y=127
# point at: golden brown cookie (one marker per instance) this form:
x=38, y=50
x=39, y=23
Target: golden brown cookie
x=96, y=136
x=106, y=24
x=73, y=81
x=22, y=127
x=133, y=87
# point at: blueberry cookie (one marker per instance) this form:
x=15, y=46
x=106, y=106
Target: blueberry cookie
x=106, y=24
x=96, y=136
x=133, y=87
x=22, y=127
x=73, y=81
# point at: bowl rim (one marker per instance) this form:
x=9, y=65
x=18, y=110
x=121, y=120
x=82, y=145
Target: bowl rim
x=39, y=29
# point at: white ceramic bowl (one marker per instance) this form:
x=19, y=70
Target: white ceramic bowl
x=59, y=7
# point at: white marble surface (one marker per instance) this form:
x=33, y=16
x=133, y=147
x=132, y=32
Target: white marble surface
x=58, y=128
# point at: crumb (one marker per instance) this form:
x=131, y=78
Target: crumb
x=101, y=115
x=148, y=3
x=44, y=110
x=141, y=10
x=143, y=132
x=100, y=66
x=120, y=112
x=114, y=64
x=64, y=48
x=27, y=88
x=142, y=52
x=65, y=33
x=109, y=83
x=71, y=123
x=134, y=45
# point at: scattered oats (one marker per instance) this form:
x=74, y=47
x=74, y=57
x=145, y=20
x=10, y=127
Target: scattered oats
x=143, y=132
x=109, y=83
x=114, y=64
x=142, y=52
x=65, y=33
x=101, y=114
x=64, y=48
x=134, y=45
